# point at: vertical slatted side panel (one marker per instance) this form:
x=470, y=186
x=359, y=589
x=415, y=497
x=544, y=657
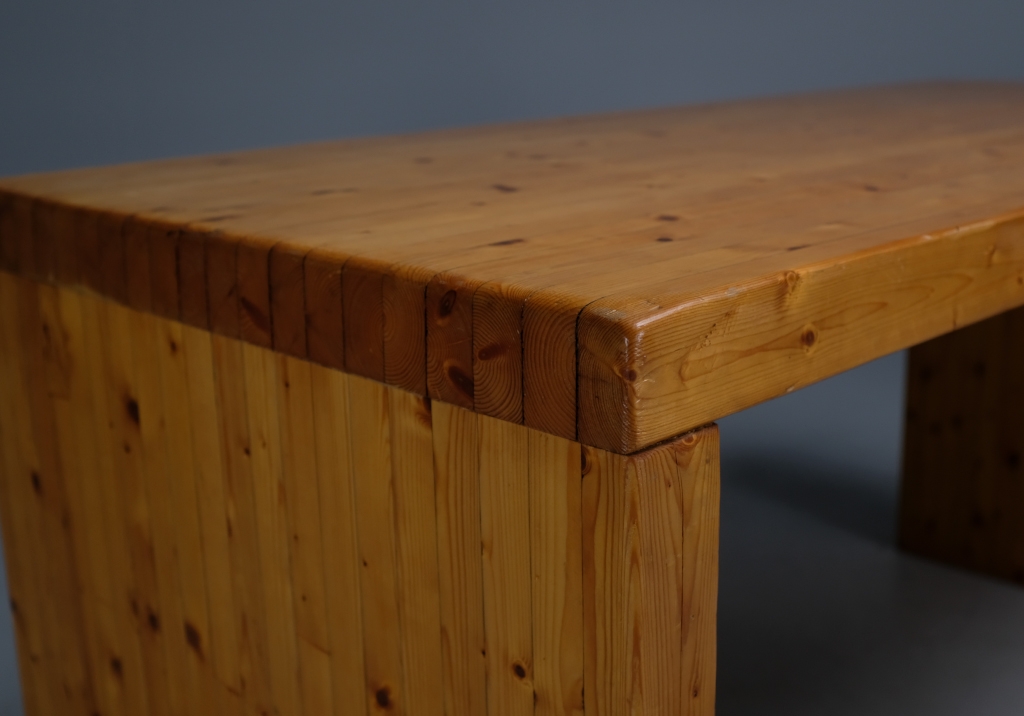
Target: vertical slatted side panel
x=271, y=505
x=125, y=534
x=557, y=576
x=505, y=533
x=371, y=470
x=298, y=448
x=457, y=463
x=203, y=418
x=160, y=471
x=243, y=529
x=341, y=550
x=699, y=482
x=20, y=544
x=412, y=469
x=650, y=556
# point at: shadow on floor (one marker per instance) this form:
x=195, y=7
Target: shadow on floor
x=820, y=614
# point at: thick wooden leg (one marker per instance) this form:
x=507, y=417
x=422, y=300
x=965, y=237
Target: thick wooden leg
x=197, y=525
x=963, y=477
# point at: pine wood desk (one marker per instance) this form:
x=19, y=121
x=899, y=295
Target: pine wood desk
x=424, y=425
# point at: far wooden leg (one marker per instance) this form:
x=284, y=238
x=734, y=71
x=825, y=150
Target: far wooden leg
x=963, y=477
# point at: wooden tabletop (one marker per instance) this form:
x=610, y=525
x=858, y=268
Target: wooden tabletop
x=617, y=279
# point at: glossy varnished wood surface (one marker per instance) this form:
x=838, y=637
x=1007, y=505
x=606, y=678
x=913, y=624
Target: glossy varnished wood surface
x=615, y=279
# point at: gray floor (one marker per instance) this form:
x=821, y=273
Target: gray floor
x=819, y=614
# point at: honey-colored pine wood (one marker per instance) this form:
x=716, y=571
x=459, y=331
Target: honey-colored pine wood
x=340, y=546
x=654, y=270
x=26, y=592
x=375, y=522
x=254, y=533
x=505, y=544
x=963, y=444
x=415, y=522
x=456, y=436
x=644, y=543
x=204, y=419
x=271, y=497
x=556, y=556
x=300, y=483
x=242, y=524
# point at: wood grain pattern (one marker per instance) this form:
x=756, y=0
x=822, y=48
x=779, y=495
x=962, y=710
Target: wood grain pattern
x=204, y=419
x=556, y=560
x=27, y=588
x=419, y=610
x=242, y=525
x=641, y=557
x=198, y=524
x=963, y=444
x=341, y=549
x=324, y=333
x=375, y=523
x=271, y=498
x=301, y=485
x=641, y=261
x=457, y=464
x=505, y=540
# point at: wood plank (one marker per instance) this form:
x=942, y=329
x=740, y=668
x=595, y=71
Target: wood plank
x=192, y=281
x=163, y=269
x=160, y=468
x=457, y=468
x=505, y=535
x=644, y=375
x=324, y=332
x=288, y=300
x=242, y=525
x=449, y=304
x=209, y=459
x=222, y=287
x=649, y=564
x=405, y=344
x=138, y=291
x=111, y=261
x=45, y=225
x=412, y=467
x=342, y=564
x=556, y=560
x=498, y=352
x=253, y=288
x=270, y=501
x=375, y=521
x=363, y=306
x=301, y=485
x=194, y=632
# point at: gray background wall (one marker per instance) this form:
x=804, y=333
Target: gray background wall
x=819, y=614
